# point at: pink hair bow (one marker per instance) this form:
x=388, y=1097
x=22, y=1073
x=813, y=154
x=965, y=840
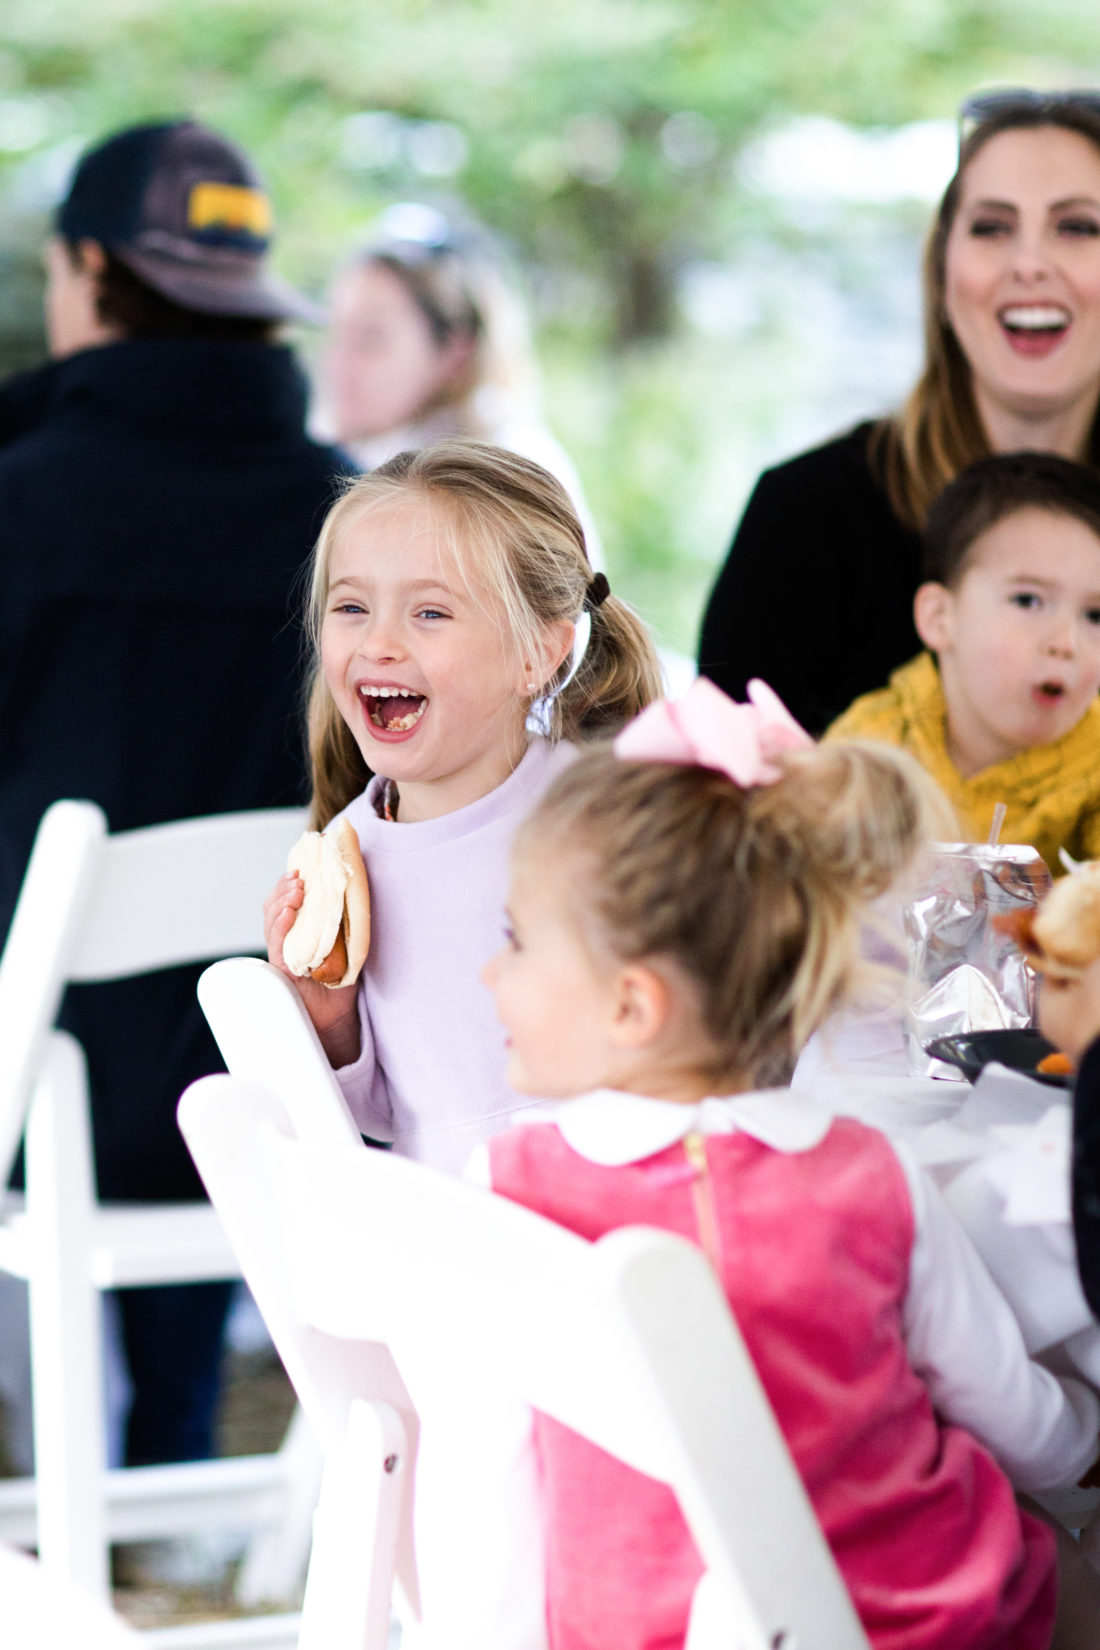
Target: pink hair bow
x=706, y=729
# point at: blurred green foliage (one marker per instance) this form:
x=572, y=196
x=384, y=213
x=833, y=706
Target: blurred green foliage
x=598, y=138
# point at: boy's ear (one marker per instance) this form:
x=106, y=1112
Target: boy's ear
x=641, y=1006
x=554, y=644
x=933, y=607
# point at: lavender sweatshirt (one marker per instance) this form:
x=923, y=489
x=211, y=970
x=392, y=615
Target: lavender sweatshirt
x=430, y=1074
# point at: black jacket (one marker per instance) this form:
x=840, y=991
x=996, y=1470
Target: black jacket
x=158, y=499
x=816, y=595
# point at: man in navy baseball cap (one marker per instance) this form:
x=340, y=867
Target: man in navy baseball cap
x=159, y=497
x=185, y=210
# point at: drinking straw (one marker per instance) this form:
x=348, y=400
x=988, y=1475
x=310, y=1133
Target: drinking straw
x=995, y=829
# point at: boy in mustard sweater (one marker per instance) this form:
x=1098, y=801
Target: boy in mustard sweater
x=1003, y=706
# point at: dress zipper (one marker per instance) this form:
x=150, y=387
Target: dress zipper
x=702, y=1192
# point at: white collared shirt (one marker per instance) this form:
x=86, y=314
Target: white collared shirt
x=613, y=1128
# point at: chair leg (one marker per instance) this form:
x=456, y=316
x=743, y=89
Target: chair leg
x=355, y=1532
x=276, y=1559
x=15, y=1375
x=66, y=1328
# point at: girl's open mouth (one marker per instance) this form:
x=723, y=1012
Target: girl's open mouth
x=1049, y=693
x=393, y=710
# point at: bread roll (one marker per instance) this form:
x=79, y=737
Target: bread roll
x=1067, y=924
x=1062, y=936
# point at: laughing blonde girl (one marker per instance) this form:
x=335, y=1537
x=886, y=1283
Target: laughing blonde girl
x=453, y=609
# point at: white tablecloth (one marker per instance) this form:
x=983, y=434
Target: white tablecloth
x=1000, y=1153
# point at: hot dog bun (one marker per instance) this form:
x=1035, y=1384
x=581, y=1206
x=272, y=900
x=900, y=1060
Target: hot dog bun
x=331, y=933
x=1062, y=936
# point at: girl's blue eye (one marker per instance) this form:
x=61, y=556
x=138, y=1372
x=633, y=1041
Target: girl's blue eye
x=510, y=939
x=431, y=613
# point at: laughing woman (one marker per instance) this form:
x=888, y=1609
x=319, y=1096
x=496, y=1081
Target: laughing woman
x=816, y=595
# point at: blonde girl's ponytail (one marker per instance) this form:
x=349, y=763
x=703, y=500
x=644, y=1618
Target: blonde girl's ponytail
x=852, y=811
x=618, y=675
x=848, y=819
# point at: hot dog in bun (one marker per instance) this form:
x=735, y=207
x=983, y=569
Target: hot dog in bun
x=331, y=932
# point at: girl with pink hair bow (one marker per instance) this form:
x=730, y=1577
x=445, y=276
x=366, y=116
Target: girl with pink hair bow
x=685, y=911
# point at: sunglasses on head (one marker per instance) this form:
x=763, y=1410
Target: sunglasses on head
x=414, y=235
x=984, y=106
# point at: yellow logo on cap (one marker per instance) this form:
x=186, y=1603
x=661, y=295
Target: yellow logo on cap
x=228, y=206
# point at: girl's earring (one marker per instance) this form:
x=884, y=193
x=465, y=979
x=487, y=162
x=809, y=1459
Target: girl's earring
x=532, y=687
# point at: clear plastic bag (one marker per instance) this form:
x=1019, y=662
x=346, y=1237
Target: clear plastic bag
x=963, y=974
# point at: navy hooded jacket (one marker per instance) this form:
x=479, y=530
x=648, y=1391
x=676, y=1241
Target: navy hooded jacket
x=158, y=503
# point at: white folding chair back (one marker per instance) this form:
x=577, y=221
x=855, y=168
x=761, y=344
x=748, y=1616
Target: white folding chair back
x=628, y=1341
x=99, y=907
x=266, y=1036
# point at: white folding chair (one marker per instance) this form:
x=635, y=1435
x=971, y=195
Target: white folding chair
x=39, y=1611
x=98, y=907
x=628, y=1341
x=265, y=1035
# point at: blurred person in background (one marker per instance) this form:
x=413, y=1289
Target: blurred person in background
x=428, y=340
x=816, y=595
x=158, y=497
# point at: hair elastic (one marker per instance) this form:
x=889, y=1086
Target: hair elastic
x=596, y=594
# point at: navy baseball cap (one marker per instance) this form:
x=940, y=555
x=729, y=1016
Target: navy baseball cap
x=185, y=210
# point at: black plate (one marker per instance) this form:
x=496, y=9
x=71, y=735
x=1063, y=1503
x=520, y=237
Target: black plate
x=1019, y=1050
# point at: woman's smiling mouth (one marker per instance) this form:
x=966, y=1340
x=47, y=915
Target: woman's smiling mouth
x=1034, y=329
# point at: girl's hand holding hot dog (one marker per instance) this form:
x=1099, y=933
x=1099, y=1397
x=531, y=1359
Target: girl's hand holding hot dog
x=317, y=930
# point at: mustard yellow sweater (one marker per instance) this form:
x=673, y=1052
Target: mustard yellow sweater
x=1051, y=792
